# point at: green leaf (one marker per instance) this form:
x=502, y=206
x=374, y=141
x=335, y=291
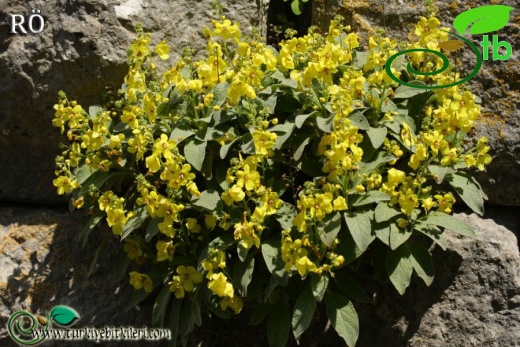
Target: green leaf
x=243, y=274
x=319, y=285
x=94, y=110
x=325, y=124
x=343, y=317
x=187, y=322
x=350, y=287
x=399, y=268
x=278, y=326
x=405, y=92
x=388, y=106
x=285, y=129
x=137, y=297
x=295, y=7
x=152, y=229
x=120, y=265
x=360, y=228
x=261, y=311
x=220, y=94
x=398, y=236
x=331, y=226
x=483, y=19
x=376, y=136
x=193, y=304
x=384, y=212
x=369, y=198
x=220, y=243
x=285, y=215
x=88, y=227
x=242, y=252
x=195, y=152
x=358, y=119
x=99, y=251
x=63, y=315
x=438, y=172
x=433, y=232
x=181, y=133
x=209, y=200
x=299, y=143
x=451, y=223
x=367, y=168
x=382, y=232
x=272, y=256
x=468, y=190
x=301, y=118
x=303, y=312
x=82, y=173
x=160, y=305
x=174, y=319
x=135, y=222
x=422, y=263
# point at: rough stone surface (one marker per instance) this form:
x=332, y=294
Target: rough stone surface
x=81, y=50
x=473, y=301
x=497, y=83
x=41, y=267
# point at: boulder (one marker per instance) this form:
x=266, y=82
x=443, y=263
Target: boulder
x=473, y=301
x=81, y=50
x=497, y=82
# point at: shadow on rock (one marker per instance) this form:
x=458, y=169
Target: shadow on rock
x=42, y=267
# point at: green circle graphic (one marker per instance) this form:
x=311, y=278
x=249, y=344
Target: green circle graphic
x=445, y=64
x=16, y=323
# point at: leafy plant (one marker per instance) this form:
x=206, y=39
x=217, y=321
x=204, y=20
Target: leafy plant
x=260, y=177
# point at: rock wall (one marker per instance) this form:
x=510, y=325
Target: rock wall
x=81, y=49
x=497, y=82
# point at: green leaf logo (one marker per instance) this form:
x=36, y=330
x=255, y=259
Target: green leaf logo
x=482, y=20
x=63, y=315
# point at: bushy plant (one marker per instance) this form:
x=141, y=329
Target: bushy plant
x=261, y=177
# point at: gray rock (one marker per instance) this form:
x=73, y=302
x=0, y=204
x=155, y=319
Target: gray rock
x=81, y=50
x=473, y=301
x=496, y=83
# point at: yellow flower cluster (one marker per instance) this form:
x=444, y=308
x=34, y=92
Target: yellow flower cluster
x=202, y=168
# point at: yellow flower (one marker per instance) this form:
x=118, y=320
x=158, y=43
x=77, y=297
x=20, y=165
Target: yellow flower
x=304, y=265
x=247, y=178
x=408, y=201
x=65, y=185
x=193, y=225
x=210, y=221
x=445, y=202
x=419, y=155
x=176, y=287
x=163, y=50
x=299, y=222
x=264, y=141
x=246, y=233
x=188, y=277
x=153, y=163
x=235, y=303
x=234, y=194
x=340, y=204
x=139, y=280
x=116, y=220
x=165, y=250
x=321, y=206
x=428, y=204
x=220, y=286
x=226, y=30
x=216, y=259
x=132, y=248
